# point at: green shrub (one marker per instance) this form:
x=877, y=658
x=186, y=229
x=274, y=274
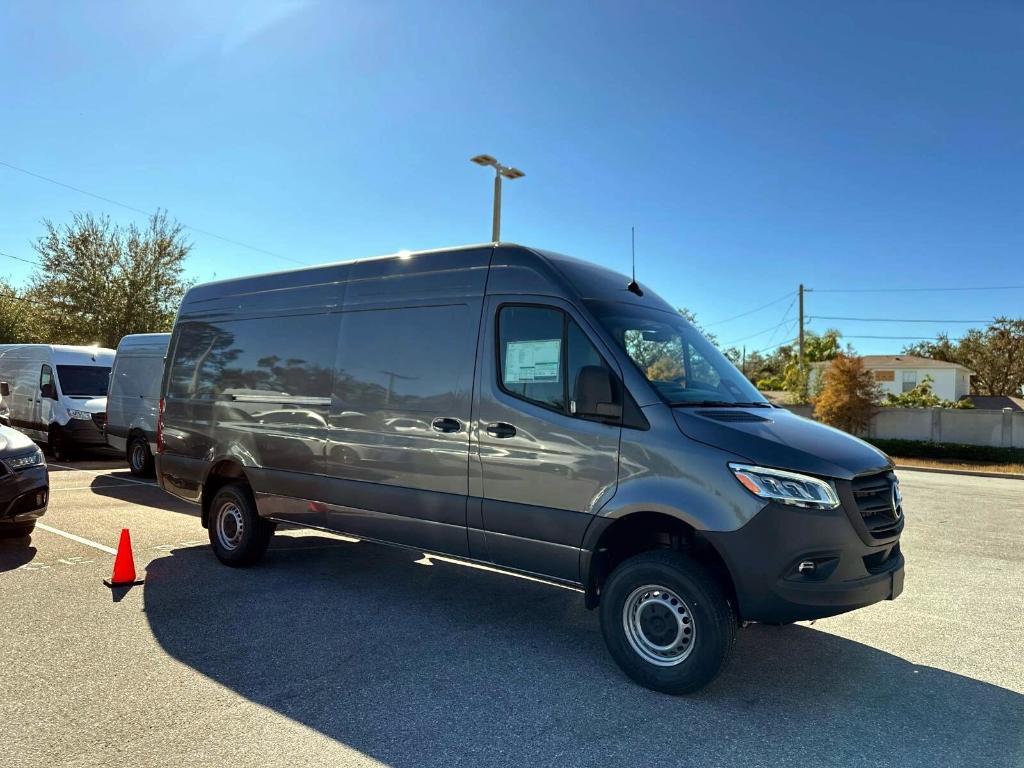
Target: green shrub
x=922, y=449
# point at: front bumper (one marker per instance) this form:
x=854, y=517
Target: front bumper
x=24, y=494
x=849, y=573
x=85, y=433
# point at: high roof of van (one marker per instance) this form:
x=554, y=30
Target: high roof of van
x=138, y=342
x=513, y=269
x=62, y=354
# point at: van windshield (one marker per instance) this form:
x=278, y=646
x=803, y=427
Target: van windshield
x=83, y=380
x=684, y=367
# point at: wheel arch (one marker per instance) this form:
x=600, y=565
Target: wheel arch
x=220, y=473
x=610, y=541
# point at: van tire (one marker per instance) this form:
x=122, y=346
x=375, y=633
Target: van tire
x=690, y=616
x=58, y=444
x=238, y=535
x=139, y=457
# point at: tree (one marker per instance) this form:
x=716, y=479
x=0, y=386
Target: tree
x=818, y=348
x=923, y=396
x=848, y=394
x=17, y=315
x=99, y=281
x=995, y=354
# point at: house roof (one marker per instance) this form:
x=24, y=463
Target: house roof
x=995, y=402
x=874, y=362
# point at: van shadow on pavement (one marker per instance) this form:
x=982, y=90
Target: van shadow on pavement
x=150, y=495
x=428, y=665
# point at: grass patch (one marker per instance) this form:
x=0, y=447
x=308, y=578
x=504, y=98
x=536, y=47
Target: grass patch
x=1010, y=469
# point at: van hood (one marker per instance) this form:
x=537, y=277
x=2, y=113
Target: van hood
x=88, y=404
x=777, y=438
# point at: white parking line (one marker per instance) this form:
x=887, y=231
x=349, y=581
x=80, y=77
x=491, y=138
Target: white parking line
x=79, y=539
x=89, y=487
x=101, y=474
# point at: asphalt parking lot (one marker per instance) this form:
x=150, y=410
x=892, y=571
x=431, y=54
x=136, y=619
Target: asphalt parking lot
x=347, y=653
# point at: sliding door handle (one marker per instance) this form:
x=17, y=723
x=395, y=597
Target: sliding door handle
x=447, y=425
x=501, y=429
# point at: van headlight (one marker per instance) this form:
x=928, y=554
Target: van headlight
x=74, y=413
x=25, y=461
x=786, y=487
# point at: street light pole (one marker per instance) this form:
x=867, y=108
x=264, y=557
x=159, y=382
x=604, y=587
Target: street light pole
x=496, y=218
x=500, y=171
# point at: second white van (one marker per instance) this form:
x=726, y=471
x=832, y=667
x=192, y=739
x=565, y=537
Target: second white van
x=134, y=397
x=57, y=394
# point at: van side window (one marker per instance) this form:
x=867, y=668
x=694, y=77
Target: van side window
x=530, y=352
x=45, y=377
x=586, y=361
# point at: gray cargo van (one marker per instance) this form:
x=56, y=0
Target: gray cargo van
x=133, y=399
x=516, y=407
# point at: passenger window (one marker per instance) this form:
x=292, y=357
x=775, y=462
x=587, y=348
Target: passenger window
x=530, y=355
x=586, y=363
x=45, y=377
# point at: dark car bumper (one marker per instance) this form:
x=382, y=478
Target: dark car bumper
x=24, y=495
x=849, y=573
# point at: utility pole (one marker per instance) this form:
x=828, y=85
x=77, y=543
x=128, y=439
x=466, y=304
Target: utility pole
x=500, y=171
x=743, y=365
x=801, y=328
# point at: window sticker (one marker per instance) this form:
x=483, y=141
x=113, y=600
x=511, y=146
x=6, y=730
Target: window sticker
x=532, y=361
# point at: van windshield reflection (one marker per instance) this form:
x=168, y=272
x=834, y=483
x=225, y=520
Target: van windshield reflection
x=684, y=367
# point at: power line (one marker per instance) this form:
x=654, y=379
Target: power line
x=19, y=258
x=759, y=333
x=918, y=338
x=128, y=207
x=750, y=312
x=917, y=290
x=892, y=319
x=774, y=346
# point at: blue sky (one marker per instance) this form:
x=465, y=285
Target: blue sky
x=753, y=146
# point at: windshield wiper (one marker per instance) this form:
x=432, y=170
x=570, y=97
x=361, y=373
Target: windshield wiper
x=720, y=404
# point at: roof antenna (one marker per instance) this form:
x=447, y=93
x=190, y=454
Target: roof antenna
x=633, y=286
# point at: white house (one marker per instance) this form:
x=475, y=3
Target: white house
x=896, y=374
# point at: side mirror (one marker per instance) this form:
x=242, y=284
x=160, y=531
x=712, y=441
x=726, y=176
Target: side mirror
x=5, y=389
x=594, y=394
x=49, y=390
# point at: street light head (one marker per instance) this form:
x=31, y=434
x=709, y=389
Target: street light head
x=484, y=160
x=512, y=173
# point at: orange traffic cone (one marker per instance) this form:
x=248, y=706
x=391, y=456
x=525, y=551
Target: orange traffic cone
x=124, y=564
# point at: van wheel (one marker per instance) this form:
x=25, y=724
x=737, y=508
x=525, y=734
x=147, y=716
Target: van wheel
x=140, y=459
x=58, y=444
x=238, y=534
x=667, y=622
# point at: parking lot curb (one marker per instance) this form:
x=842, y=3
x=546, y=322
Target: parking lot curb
x=970, y=472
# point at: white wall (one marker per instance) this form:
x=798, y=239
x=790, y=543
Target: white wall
x=947, y=383
x=973, y=426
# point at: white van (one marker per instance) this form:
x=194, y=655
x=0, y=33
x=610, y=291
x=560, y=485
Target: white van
x=57, y=394
x=134, y=399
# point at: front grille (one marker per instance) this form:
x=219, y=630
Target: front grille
x=874, y=497
x=100, y=420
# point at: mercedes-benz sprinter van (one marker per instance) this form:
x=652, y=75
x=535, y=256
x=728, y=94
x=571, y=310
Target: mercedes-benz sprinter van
x=520, y=408
x=133, y=399
x=58, y=393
